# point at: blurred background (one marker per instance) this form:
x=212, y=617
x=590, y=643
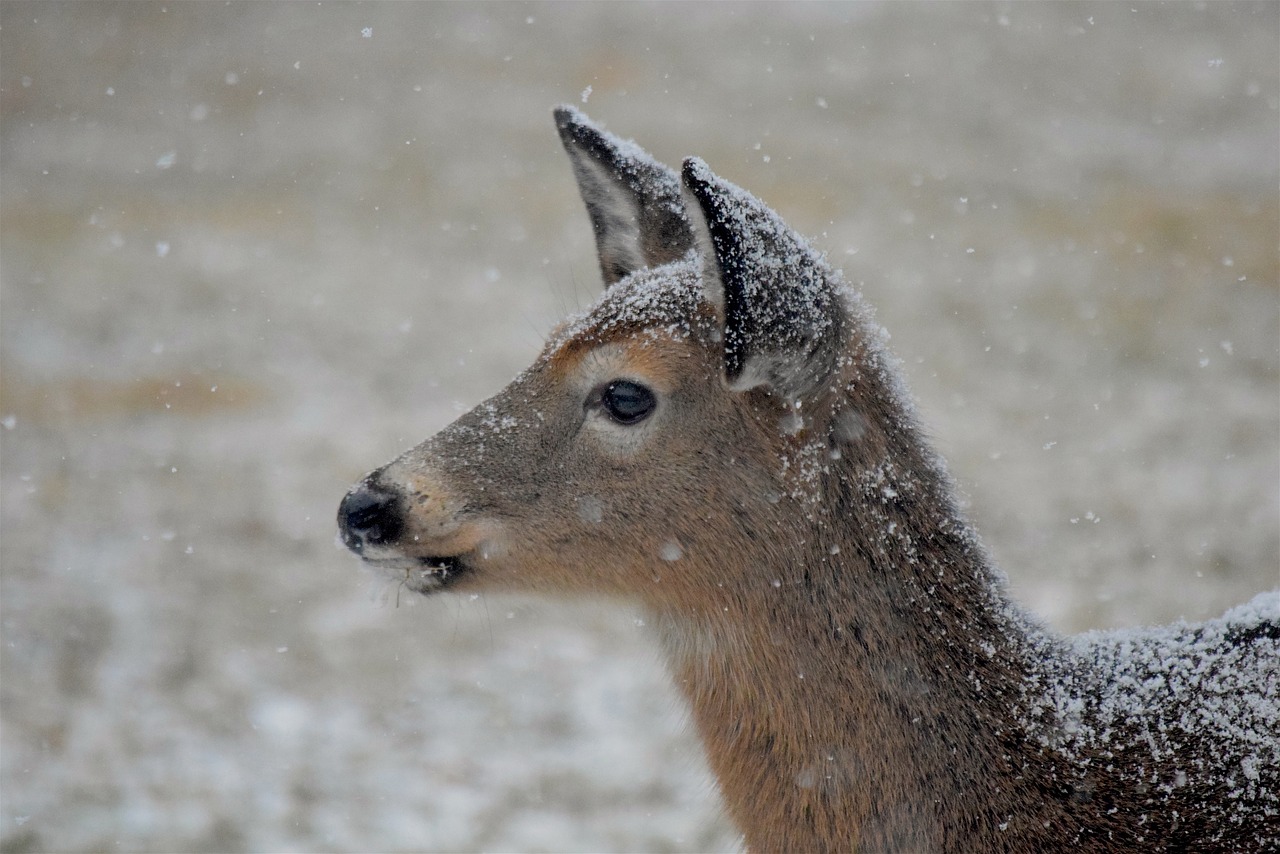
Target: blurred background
x=251, y=251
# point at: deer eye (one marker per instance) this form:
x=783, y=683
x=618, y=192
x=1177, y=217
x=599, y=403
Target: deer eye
x=627, y=402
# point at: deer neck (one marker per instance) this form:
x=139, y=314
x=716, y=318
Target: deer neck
x=858, y=690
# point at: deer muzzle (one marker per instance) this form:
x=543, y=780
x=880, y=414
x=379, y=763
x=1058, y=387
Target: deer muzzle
x=411, y=533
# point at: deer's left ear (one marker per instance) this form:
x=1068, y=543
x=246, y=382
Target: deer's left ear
x=634, y=201
x=784, y=318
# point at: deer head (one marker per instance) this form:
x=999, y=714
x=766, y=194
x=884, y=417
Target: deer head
x=658, y=447
x=720, y=439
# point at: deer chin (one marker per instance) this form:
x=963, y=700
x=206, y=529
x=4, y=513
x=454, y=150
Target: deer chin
x=428, y=565
x=425, y=575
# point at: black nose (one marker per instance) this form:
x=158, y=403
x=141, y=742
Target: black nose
x=370, y=515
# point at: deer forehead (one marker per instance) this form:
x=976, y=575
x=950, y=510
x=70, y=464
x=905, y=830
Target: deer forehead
x=652, y=357
x=645, y=327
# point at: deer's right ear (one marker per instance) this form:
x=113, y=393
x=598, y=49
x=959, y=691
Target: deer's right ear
x=784, y=318
x=634, y=201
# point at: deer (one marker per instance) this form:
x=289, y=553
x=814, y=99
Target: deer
x=723, y=439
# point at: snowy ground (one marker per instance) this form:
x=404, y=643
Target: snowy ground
x=250, y=252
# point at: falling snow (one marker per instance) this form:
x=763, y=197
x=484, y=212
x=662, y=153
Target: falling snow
x=145, y=704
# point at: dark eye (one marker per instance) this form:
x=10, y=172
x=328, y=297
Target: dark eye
x=627, y=402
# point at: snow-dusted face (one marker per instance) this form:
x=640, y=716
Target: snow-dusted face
x=591, y=471
x=654, y=432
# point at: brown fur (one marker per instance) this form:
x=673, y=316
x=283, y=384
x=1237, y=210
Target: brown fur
x=854, y=670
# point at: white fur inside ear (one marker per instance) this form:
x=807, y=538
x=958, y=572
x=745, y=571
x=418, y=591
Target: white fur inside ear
x=779, y=371
x=712, y=286
x=617, y=213
x=753, y=375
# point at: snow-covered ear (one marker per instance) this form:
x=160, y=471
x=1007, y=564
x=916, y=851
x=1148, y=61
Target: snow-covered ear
x=634, y=201
x=784, y=318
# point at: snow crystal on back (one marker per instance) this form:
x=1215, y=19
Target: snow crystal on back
x=1177, y=705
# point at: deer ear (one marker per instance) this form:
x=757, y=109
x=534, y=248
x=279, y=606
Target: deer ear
x=634, y=201
x=784, y=318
